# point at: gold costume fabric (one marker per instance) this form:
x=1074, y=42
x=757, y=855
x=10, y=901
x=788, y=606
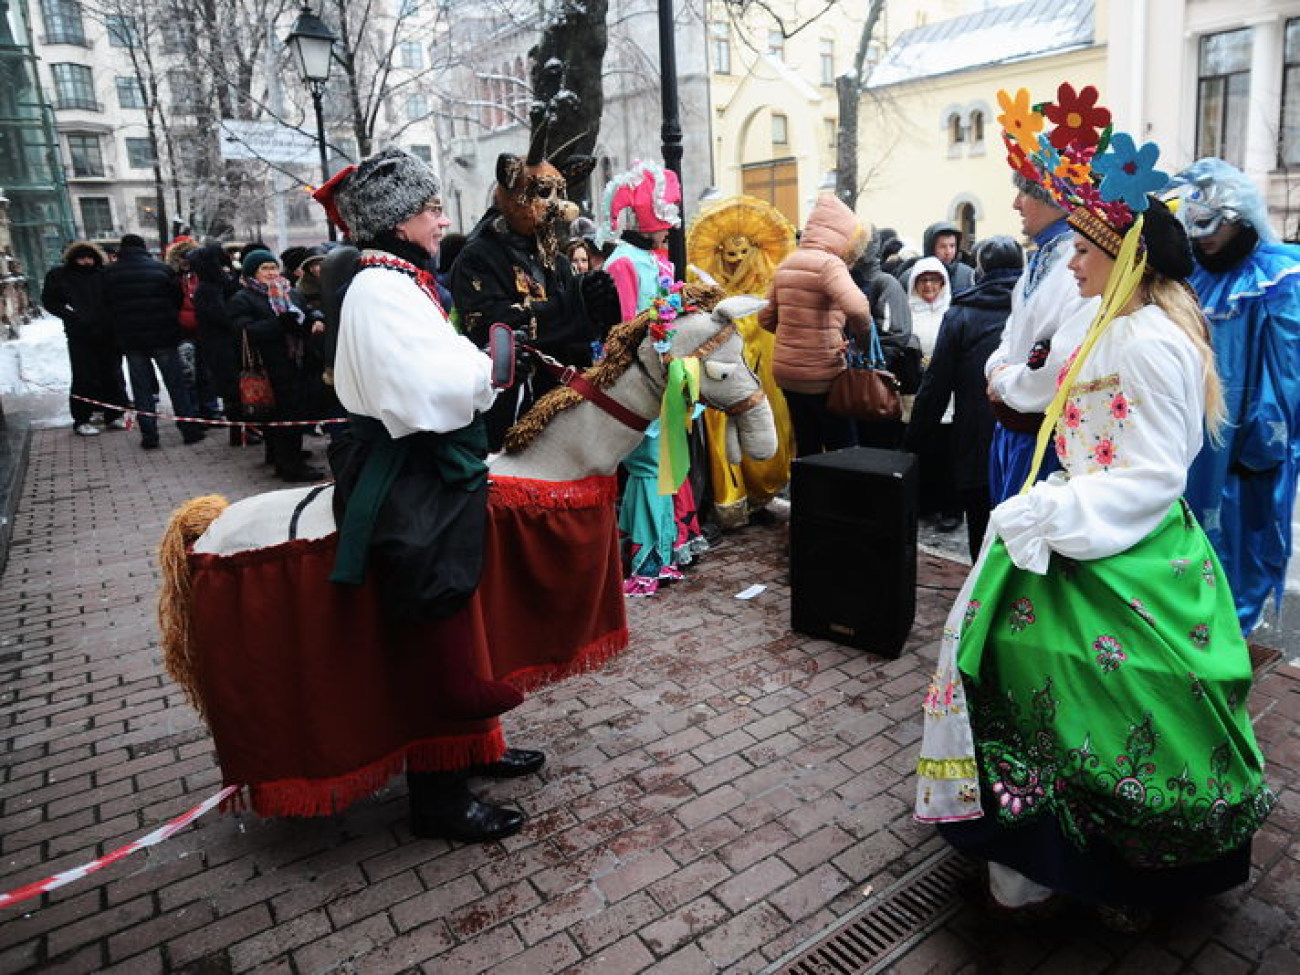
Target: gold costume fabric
x=738, y=242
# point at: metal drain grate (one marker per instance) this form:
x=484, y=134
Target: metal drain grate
x=888, y=925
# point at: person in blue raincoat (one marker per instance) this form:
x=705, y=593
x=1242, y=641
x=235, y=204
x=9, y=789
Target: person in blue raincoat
x=1243, y=488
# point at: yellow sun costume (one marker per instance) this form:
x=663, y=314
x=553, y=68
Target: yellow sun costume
x=738, y=242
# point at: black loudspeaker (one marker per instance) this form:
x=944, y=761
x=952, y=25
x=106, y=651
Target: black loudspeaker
x=853, y=547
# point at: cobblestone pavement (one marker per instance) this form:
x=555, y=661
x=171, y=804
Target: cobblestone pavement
x=719, y=794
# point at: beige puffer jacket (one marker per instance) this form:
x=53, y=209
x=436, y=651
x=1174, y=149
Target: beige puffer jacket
x=813, y=297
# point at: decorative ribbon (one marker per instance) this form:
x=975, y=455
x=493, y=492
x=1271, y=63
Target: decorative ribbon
x=1121, y=285
x=675, y=415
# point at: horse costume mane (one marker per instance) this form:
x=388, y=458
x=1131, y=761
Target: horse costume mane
x=620, y=352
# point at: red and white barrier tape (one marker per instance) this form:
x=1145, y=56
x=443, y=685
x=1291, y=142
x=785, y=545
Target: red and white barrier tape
x=205, y=420
x=150, y=839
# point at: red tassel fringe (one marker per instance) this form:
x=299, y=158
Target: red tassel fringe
x=327, y=797
x=591, y=657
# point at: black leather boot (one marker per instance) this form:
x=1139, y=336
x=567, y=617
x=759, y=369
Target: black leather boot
x=442, y=807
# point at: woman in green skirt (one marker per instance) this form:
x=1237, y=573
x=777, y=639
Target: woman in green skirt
x=1086, y=731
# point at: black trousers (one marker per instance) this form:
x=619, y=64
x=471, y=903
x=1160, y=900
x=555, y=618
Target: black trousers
x=96, y=374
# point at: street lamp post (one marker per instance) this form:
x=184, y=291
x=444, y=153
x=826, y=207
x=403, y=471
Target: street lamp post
x=671, y=132
x=312, y=44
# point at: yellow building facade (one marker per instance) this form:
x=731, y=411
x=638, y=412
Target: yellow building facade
x=930, y=146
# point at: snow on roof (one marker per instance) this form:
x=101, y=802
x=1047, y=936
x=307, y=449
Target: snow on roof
x=1020, y=30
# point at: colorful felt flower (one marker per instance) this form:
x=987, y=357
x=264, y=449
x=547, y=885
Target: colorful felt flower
x=1017, y=159
x=1128, y=172
x=1077, y=116
x=1045, y=157
x=1019, y=119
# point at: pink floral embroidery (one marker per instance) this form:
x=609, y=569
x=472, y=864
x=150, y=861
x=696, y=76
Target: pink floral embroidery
x=1119, y=407
x=1072, y=415
x=1062, y=446
x=1022, y=614
x=1104, y=452
x=1110, y=653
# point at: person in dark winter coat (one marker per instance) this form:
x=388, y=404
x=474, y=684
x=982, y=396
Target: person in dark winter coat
x=971, y=331
x=943, y=240
x=74, y=293
x=892, y=315
x=143, y=300
x=320, y=400
x=276, y=330
x=511, y=271
x=216, y=285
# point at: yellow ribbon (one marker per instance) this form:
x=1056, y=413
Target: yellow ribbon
x=1122, y=284
x=675, y=415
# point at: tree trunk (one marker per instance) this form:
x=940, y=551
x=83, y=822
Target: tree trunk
x=568, y=96
x=848, y=91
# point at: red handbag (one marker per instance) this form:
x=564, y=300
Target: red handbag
x=256, y=394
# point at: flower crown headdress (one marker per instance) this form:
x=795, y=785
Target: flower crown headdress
x=1100, y=176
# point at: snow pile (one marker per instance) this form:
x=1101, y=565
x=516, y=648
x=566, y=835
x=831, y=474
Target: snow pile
x=37, y=361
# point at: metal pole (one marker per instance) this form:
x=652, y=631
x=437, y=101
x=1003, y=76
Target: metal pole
x=671, y=133
x=316, y=91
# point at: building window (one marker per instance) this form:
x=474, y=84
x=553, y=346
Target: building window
x=422, y=153
x=832, y=130
x=74, y=87
x=417, y=107
x=408, y=8
x=977, y=127
x=1223, y=92
x=1289, y=143
x=129, y=92
x=780, y=130
x=146, y=212
x=139, y=153
x=956, y=131
x=96, y=216
x=63, y=22
x=828, y=62
x=410, y=55
x=122, y=31
x=776, y=44
x=86, y=154
x=184, y=88
x=720, y=48
x=174, y=38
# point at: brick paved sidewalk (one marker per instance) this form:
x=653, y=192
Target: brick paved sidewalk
x=719, y=794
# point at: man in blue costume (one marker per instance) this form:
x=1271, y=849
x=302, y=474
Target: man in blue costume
x=1022, y=371
x=1243, y=489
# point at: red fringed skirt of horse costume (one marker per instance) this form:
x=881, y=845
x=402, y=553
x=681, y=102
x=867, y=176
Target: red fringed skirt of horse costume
x=317, y=692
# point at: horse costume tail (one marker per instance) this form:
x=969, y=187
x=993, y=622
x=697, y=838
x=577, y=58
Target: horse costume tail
x=175, y=621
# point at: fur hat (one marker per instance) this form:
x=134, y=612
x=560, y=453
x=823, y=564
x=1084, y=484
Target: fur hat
x=371, y=198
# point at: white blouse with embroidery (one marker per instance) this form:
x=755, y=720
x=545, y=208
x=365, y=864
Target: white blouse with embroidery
x=400, y=361
x=1127, y=434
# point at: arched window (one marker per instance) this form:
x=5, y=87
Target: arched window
x=956, y=131
x=966, y=222
x=977, y=126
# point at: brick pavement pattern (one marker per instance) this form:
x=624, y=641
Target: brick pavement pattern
x=716, y=796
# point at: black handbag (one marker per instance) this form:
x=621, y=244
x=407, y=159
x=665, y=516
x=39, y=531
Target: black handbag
x=903, y=359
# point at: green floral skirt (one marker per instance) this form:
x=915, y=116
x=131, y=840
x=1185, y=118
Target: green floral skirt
x=1110, y=695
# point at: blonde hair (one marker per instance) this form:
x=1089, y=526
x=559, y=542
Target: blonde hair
x=1177, y=300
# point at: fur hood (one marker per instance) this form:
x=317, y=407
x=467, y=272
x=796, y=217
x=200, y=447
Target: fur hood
x=80, y=248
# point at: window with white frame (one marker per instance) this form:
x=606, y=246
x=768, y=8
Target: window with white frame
x=422, y=153
x=1289, y=143
x=139, y=152
x=63, y=22
x=417, y=107
x=146, y=211
x=827, y=54
x=410, y=55
x=1223, y=94
x=129, y=92
x=776, y=44
x=720, y=47
x=831, y=129
x=780, y=130
x=86, y=154
x=74, y=87
x=96, y=216
x=122, y=31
